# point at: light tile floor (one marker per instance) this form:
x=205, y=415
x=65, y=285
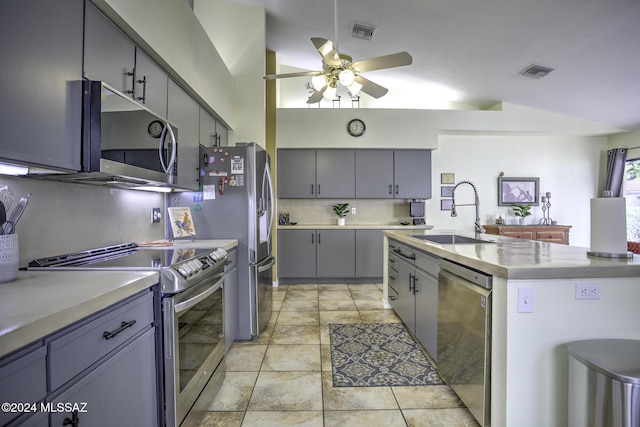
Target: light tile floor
x=283, y=378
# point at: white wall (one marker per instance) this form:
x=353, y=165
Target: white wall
x=567, y=166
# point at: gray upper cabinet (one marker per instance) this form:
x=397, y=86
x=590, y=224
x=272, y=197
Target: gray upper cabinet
x=388, y=174
x=374, y=174
x=327, y=174
x=296, y=174
x=151, y=84
x=208, y=136
x=109, y=55
x=40, y=82
x=335, y=176
x=184, y=112
x=412, y=174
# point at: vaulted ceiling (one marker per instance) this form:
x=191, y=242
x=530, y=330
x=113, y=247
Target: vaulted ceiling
x=476, y=49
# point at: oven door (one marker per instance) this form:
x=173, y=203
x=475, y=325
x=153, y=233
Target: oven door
x=194, y=344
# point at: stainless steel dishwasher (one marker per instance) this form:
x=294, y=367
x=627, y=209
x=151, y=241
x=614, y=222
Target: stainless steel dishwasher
x=464, y=336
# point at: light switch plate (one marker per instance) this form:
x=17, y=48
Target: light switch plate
x=525, y=299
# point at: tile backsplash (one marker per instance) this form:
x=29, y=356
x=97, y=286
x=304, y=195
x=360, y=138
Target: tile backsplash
x=368, y=211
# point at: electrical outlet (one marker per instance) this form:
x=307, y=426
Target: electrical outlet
x=156, y=216
x=584, y=291
x=525, y=299
x=353, y=211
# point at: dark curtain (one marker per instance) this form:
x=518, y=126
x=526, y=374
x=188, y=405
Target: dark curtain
x=616, y=159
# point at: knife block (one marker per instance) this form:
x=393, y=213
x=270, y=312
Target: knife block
x=9, y=257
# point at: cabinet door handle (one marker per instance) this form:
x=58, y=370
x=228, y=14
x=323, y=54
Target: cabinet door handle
x=74, y=421
x=318, y=238
x=132, y=74
x=415, y=282
x=143, y=98
x=124, y=325
x=311, y=188
x=397, y=188
x=318, y=189
x=412, y=285
x=392, y=277
x=390, y=189
x=393, y=297
x=312, y=240
x=399, y=252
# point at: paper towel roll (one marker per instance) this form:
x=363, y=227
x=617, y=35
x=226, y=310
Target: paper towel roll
x=608, y=225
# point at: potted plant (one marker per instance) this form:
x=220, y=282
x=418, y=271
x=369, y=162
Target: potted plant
x=341, y=209
x=522, y=211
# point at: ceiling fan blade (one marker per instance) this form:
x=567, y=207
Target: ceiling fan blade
x=380, y=62
x=327, y=50
x=300, y=74
x=316, y=96
x=371, y=88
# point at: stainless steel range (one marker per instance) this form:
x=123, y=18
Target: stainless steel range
x=191, y=283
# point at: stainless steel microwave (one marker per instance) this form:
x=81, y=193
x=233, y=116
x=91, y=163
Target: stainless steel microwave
x=124, y=142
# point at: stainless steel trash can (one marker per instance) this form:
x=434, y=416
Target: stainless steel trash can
x=604, y=383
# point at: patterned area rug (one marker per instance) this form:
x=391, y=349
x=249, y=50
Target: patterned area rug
x=378, y=355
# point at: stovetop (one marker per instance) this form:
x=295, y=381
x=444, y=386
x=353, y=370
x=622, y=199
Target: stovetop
x=180, y=268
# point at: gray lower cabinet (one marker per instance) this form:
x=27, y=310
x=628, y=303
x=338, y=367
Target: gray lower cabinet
x=184, y=112
x=415, y=286
x=336, y=253
x=369, y=253
x=310, y=174
x=41, y=71
x=100, y=371
x=121, y=391
x=307, y=254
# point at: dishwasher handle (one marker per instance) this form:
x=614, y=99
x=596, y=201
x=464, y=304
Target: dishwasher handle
x=472, y=275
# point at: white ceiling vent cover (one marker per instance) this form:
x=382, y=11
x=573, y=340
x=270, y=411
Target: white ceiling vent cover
x=536, y=71
x=362, y=31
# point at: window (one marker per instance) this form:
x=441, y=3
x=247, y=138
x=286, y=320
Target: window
x=632, y=196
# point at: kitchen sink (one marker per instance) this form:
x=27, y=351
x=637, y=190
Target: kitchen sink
x=449, y=239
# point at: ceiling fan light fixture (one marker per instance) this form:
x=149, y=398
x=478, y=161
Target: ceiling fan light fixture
x=354, y=88
x=330, y=92
x=346, y=77
x=318, y=82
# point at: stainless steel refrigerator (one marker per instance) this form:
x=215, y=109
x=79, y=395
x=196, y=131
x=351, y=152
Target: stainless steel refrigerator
x=236, y=202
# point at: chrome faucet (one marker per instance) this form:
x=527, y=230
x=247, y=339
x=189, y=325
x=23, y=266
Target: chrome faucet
x=479, y=228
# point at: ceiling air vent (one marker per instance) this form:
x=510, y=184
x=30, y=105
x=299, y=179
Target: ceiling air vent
x=536, y=71
x=362, y=31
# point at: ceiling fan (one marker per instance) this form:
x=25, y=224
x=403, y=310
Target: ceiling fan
x=339, y=67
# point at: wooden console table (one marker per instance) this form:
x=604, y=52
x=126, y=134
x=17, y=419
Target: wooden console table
x=544, y=233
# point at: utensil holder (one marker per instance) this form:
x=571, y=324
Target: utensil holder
x=9, y=257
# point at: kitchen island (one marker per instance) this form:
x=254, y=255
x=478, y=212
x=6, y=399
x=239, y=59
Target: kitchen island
x=529, y=360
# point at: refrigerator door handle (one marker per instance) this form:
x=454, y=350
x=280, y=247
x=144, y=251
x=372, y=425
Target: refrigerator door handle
x=269, y=183
x=271, y=261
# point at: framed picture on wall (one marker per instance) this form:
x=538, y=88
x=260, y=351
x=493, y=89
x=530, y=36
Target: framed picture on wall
x=518, y=191
x=446, y=190
x=446, y=204
x=447, y=178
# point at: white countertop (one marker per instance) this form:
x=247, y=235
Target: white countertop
x=39, y=303
x=522, y=259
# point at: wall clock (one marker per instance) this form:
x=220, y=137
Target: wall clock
x=356, y=127
x=155, y=128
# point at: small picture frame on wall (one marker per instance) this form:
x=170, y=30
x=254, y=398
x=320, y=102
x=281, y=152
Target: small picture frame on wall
x=446, y=191
x=518, y=191
x=447, y=178
x=446, y=204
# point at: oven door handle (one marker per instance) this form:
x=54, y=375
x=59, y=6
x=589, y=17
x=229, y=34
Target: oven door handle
x=186, y=305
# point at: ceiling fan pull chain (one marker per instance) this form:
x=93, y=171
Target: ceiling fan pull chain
x=335, y=23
